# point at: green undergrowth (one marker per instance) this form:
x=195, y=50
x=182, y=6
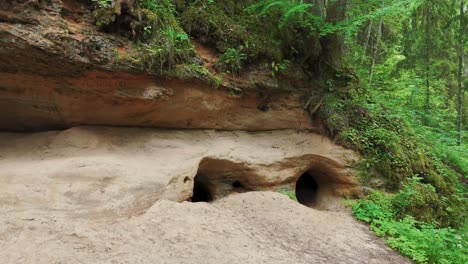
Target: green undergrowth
x=227, y=26
x=167, y=43
x=162, y=43
x=414, y=172
x=422, y=242
x=392, y=152
x=291, y=195
x=240, y=32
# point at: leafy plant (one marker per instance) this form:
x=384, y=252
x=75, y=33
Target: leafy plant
x=291, y=195
x=277, y=68
x=232, y=60
x=422, y=242
x=166, y=44
x=147, y=30
x=103, y=3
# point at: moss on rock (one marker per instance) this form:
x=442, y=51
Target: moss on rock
x=392, y=154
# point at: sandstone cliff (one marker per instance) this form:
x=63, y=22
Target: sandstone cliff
x=58, y=71
x=78, y=193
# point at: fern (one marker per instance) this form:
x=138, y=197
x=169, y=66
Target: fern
x=295, y=13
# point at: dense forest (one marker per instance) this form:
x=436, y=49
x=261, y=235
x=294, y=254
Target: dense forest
x=389, y=81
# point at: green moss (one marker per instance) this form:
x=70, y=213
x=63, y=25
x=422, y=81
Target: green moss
x=192, y=71
x=392, y=153
x=225, y=25
x=104, y=16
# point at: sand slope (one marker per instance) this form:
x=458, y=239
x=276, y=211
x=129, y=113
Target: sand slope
x=109, y=195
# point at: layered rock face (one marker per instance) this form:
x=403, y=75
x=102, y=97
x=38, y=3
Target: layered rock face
x=92, y=194
x=33, y=102
x=98, y=172
x=58, y=71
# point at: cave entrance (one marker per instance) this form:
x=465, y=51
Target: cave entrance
x=306, y=189
x=201, y=190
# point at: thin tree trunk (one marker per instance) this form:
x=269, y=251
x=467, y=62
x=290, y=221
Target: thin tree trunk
x=427, y=61
x=460, y=72
x=366, y=44
x=375, y=53
x=318, y=8
x=332, y=44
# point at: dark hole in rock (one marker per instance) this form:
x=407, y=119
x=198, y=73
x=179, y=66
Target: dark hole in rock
x=237, y=184
x=306, y=189
x=186, y=179
x=122, y=23
x=201, y=191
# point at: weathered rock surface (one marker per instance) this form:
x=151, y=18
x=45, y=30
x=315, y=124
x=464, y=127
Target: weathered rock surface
x=58, y=71
x=110, y=195
x=31, y=102
x=108, y=172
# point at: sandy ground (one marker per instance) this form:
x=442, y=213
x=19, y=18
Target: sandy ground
x=107, y=195
x=254, y=227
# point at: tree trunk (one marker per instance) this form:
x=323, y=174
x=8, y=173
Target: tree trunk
x=428, y=67
x=460, y=72
x=375, y=52
x=318, y=8
x=366, y=43
x=333, y=43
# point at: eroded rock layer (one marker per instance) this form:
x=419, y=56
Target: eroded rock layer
x=32, y=102
x=58, y=71
x=98, y=172
x=112, y=195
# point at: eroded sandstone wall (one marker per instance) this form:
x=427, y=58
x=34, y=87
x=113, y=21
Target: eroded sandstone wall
x=36, y=102
x=58, y=71
x=96, y=172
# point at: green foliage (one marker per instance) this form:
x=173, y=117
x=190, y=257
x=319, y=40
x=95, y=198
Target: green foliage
x=103, y=3
x=162, y=43
x=171, y=47
x=418, y=199
x=289, y=12
x=392, y=151
x=421, y=241
x=224, y=25
x=232, y=60
x=427, y=145
x=291, y=195
x=276, y=68
x=302, y=15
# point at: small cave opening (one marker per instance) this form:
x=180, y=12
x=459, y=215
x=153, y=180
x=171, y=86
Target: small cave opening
x=306, y=189
x=237, y=184
x=201, y=191
x=238, y=187
x=124, y=23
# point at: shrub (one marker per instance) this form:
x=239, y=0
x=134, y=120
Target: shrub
x=232, y=60
x=420, y=241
